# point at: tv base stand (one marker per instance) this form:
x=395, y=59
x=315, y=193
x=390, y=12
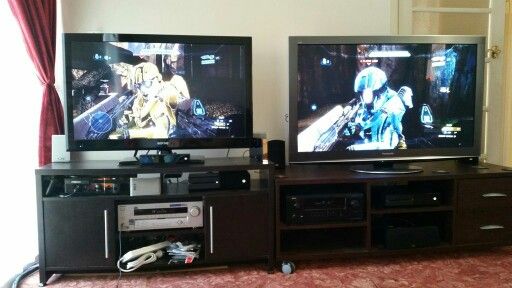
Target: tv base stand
x=385, y=168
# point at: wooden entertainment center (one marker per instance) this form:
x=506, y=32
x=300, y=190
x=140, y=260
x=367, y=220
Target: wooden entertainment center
x=473, y=211
x=79, y=233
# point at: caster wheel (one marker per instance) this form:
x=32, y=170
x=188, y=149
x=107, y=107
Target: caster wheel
x=287, y=267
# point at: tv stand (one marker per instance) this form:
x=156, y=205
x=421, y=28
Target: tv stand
x=448, y=206
x=387, y=168
x=79, y=232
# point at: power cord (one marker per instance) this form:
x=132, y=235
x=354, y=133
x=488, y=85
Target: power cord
x=243, y=155
x=31, y=268
x=120, y=251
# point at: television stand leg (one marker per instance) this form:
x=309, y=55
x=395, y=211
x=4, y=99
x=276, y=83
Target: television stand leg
x=43, y=278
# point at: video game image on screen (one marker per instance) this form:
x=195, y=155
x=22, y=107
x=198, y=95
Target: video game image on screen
x=354, y=97
x=127, y=90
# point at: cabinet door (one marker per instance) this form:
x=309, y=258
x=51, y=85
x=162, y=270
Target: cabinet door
x=238, y=227
x=79, y=233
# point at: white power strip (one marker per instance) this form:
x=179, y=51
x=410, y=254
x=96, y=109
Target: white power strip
x=144, y=250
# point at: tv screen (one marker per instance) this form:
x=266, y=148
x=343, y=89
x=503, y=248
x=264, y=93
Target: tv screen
x=157, y=91
x=377, y=98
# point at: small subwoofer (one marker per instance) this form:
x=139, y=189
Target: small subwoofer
x=412, y=237
x=276, y=153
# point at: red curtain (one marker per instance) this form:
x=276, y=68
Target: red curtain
x=37, y=20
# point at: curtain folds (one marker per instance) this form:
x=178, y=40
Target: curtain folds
x=37, y=20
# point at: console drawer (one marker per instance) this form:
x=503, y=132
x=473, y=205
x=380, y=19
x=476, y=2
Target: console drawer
x=485, y=194
x=493, y=227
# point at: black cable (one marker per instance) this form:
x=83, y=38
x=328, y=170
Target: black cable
x=120, y=251
x=227, y=153
x=25, y=273
x=243, y=155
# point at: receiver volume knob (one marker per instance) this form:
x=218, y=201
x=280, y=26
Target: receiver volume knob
x=194, y=211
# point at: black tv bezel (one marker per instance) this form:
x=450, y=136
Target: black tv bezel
x=156, y=144
x=395, y=155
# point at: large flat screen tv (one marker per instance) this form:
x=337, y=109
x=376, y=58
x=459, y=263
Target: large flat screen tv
x=131, y=92
x=385, y=99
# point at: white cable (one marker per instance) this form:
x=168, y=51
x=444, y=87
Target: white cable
x=144, y=259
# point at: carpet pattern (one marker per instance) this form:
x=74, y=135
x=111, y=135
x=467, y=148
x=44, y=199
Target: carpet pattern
x=487, y=269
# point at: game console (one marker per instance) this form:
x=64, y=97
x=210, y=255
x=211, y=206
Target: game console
x=414, y=199
x=214, y=180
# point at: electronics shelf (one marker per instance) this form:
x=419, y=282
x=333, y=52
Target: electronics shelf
x=465, y=208
x=324, y=225
x=411, y=210
x=79, y=232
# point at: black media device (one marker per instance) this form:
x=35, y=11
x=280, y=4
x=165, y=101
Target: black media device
x=385, y=100
x=411, y=237
x=157, y=92
x=92, y=186
x=229, y=180
x=158, y=159
x=324, y=208
x=414, y=199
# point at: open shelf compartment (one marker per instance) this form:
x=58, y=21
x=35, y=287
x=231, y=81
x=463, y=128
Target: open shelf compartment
x=322, y=241
x=133, y=240
x=411, y=230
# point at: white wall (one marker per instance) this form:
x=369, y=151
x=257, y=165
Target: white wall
x=269, y=22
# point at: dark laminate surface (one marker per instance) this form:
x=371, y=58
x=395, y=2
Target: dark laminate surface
x=324, y=173
x=111, y=167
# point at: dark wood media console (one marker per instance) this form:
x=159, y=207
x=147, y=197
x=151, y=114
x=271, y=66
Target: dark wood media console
x=79, y=232
x=473, y=210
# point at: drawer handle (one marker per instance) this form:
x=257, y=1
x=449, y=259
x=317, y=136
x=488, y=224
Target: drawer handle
x=491, y=227
x=492, y=195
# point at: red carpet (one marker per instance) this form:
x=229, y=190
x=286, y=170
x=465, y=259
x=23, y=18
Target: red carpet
x=482, y=269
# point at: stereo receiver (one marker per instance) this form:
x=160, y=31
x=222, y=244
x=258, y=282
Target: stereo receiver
x=149, y=216
x=319, y=208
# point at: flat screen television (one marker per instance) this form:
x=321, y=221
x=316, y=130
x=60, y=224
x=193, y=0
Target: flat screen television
x=137, y=92
x=385, y=99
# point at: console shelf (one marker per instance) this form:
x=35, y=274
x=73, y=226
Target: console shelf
x=412, y=210
x=427, y=211
x=325, y=225
x=80, y=232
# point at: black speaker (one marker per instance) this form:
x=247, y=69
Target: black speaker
x=256, y=150
x=276, y=153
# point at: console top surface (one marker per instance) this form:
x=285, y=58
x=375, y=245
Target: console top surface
x=336, y=172
x=112, y=167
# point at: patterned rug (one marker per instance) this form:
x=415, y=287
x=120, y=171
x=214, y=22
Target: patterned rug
x=487, y=269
